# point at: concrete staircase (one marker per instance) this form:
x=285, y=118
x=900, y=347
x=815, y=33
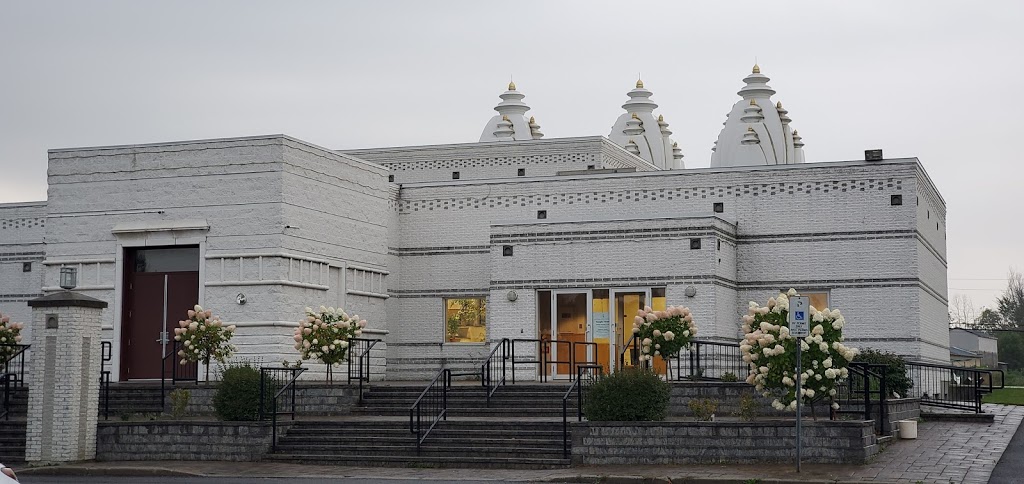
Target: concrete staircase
x=520, y=428
x=12, y=440
x=134, y=398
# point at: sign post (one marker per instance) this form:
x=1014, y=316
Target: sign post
x=799, y=327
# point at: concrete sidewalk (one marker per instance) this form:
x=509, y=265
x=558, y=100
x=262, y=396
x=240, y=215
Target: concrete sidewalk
x=959, y=452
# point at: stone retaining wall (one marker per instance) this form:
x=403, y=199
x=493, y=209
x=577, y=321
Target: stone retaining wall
x=183, y=441
x=311, y=399
x=630, y=443
x=898, y=409
x=728, y=395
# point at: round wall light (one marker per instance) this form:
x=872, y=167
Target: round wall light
x=691, y=291
x=512, y=296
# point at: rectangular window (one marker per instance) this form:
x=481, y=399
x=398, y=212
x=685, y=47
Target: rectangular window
x=818, y=299
x=466, y=320
x=26, y=267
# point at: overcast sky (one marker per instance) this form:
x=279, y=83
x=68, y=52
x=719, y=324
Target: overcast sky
x=932, y=79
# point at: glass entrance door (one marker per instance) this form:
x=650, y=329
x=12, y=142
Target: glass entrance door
x=626, y=303
x=570, y=318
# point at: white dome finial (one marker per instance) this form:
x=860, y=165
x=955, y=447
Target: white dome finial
x=511, y=110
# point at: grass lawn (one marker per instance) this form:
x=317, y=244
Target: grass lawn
x=1008, y=396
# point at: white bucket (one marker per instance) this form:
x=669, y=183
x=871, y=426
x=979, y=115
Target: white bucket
x=908, y=429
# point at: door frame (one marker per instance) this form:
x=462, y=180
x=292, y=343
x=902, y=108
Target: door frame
x=588, y=328
x=612, y=292
x=139, y=240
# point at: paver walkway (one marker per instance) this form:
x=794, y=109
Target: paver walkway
x=944, y=452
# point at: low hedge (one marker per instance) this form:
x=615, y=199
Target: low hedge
x=629, y=395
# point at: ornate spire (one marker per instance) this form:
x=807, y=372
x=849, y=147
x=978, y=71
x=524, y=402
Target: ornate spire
x=756, y=69
x=664, y=126
x=750, y=137
x=535, y=129
x=677, y=153
x=504, y=131
x=510, y=122
x=783, y=114
x=634, y=127
x=639, y=84
x=798, y=141
x=632, y=147
x=752, y=113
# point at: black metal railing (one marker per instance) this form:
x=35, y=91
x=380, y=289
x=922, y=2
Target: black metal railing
x=170, y=365
x=633, y=347
x=586, y=375
x=359, y=353
x=106, y=355
x=494, y=368
x=277, y=392
x=708, y=360
x=542, y=356
x=954, y=387
x=583, y=353
x=866, y=386
x=5, y=399
x=431, y=407
x=13, y=363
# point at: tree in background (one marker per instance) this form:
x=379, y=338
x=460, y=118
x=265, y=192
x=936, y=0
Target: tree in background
x=961, y=311
x=1011, y=349
x=989, y=320
x=1011, y=303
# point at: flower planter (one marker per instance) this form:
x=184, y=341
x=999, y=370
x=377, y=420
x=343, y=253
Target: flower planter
x=908, y=429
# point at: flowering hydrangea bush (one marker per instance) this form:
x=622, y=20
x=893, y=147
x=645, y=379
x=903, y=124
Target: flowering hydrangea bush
x=324, y=335
x=770, y=351
x=10, y=335
x=204, y=337
x=663, y=333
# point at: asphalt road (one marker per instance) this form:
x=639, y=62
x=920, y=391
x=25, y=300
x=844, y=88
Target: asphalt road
x=1011, y=465
x=216, y=480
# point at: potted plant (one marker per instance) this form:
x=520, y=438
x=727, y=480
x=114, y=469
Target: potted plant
x=453, y=329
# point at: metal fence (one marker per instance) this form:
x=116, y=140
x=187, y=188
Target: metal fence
x=359, y=361
x=953, y=387
x=709, y=360
x=277, y=395
x=12, y=362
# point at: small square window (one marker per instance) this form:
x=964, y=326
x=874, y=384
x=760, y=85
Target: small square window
x=26, y=267
x=542, y=214
x=391, y=178
x=465, y=320
x=521, y=172
x=506, y=251
x=455, y=175
x=694, y=244
x=719, y=207
x=590, y=167
x=896, y=200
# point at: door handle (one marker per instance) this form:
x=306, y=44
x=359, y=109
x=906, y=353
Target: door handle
x=163, y=338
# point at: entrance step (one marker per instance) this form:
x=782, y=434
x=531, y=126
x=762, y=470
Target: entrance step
x=12, y=441
x=508, y=401
x=478, y=443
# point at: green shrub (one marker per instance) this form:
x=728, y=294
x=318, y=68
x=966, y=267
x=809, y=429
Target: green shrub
x=703, y=408
x=238, y=393
x=896, y=379
x=748, y=408
x=729, y=377
x=628, y=395
x=179, y=402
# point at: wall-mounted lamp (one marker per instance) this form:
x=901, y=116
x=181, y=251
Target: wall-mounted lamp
x=68, y=278
x=512, y=296
x=691, y=291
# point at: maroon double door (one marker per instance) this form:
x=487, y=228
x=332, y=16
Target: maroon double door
x=160, y=285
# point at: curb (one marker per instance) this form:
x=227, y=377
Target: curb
x=118, y=471
x=683, y=479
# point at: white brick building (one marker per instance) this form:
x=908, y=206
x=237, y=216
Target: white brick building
x=556, y=237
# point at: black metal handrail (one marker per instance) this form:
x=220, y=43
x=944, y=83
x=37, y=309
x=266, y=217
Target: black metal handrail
x=542, y=357
x=14, y=364
x=579, y=387
x=106, y=355
x=189, y=372
x=359, y=351
x=5, y=403
x=709, y=360
x=865, y=381
x=634, y=356
x=269, y=380
x=497, y=358
x=948, y=386
x=576, y=354
x=431, y=405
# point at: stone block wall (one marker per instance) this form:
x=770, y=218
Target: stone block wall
x=661, y=443
x=310, y=399
x=183, y=441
